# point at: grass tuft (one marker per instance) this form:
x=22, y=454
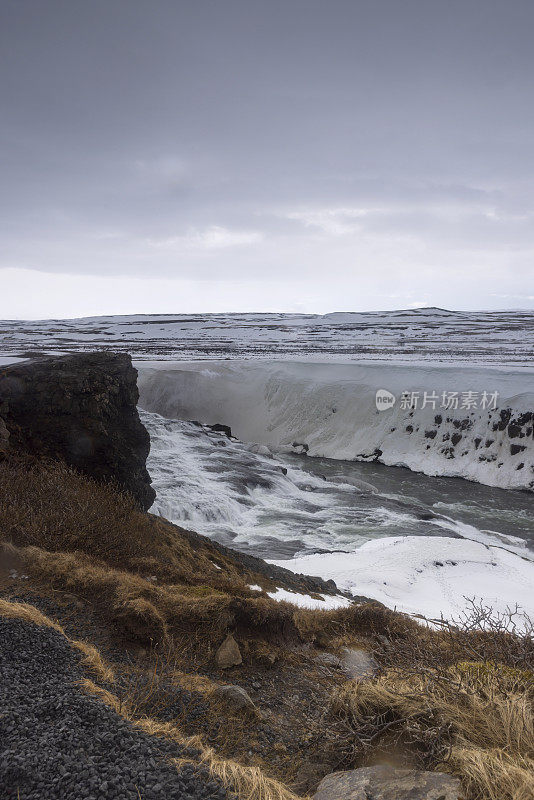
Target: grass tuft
x=473, y=719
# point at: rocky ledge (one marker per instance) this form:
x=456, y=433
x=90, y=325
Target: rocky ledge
x=81, y=409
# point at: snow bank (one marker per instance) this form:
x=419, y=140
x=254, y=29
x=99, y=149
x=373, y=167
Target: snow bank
x=329, y=409
x=323, y=601
x=427, y=575
x=5, y=361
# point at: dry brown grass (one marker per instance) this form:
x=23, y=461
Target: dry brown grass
x=147, y=612
x=27, y=613
x=49, y=505
x=147, y=576
x=474, y=719
x=249, y=783
x=459, y=698
x=493, y=774
x=344, y=625
x=108, y=698
x=147, y=685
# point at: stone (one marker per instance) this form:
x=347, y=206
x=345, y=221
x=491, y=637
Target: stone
x=218, y=428
x=387, y=783
x=81, y=409
x=228, y=655
x=235, y=697
x=358, y=663
x=329, y=660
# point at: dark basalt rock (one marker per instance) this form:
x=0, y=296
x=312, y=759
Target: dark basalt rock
x=218, y=428
x=81, y=409
x=516, y=448
x=514, y=430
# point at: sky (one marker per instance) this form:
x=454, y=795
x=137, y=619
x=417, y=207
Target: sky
x=282, y=155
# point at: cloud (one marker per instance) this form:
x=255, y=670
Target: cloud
x=332, y=221
x=210, y=239
x=167, y=168
x=354, y=154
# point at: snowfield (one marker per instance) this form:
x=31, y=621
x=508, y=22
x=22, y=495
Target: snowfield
x=427, y=334
x=323, y=602
x=428, y=575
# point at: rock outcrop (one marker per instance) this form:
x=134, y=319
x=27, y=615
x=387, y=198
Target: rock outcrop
x=81, y=409
x=386, y=783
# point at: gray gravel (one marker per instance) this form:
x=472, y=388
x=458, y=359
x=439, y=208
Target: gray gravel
x=55, y=742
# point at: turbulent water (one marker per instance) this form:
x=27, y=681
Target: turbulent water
x=417, y=543
x=278, y=505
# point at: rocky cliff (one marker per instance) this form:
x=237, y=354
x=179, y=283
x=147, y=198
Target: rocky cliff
x=81, y=409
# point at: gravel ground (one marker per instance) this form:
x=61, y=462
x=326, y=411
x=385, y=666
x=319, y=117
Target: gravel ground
x=55, y=742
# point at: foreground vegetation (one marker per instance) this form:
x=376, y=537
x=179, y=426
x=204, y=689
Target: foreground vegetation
x=153, y=606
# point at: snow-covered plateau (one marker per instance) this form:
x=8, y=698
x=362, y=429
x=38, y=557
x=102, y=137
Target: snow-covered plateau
x=422, y=334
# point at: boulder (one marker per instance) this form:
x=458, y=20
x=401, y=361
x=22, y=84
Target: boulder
x=358, y=663
x=235, y=697
x=218, y=428
x=228, y=655
x=81, y=409
x=387, y=783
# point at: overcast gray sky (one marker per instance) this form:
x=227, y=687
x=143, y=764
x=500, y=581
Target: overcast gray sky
x=294, y=155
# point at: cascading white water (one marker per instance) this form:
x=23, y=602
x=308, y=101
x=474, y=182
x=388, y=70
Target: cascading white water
x=330, y=410
x=417, y=543
x=354, y=522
